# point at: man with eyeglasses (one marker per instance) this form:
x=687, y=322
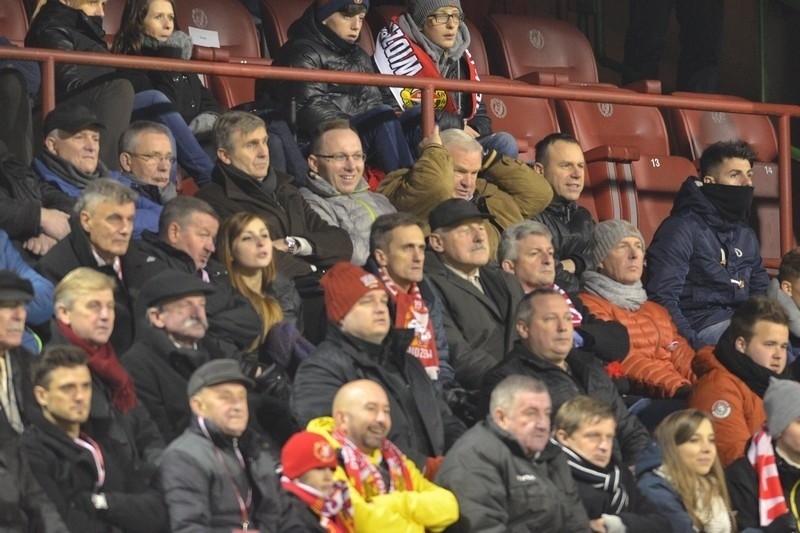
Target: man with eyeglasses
x=146, y=158
x=336, y=188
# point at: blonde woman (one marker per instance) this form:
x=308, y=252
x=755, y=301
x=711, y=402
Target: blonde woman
x=685, y=477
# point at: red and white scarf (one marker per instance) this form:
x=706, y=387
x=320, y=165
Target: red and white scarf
x=577, y=317
x=412, y=313
x=365, y=476
x=396, y=53
x=335, y=511
x=771, y=502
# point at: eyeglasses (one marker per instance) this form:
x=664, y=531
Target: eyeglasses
x=358, y=157
x=444, y=18
x=155, y=158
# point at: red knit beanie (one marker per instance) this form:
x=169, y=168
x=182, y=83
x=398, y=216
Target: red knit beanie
x=305, y=451
x=344, y=285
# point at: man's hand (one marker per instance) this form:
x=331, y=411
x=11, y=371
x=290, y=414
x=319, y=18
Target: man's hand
x=568, y=265
x=280, y=244
x=54, y=223
x=432, y=139
x=597, y=525
x=40, y=244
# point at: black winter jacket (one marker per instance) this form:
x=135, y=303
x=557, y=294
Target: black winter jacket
x=586, y=377
x=313, y=46
x=572, y=227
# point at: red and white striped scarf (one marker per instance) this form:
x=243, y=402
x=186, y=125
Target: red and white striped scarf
x=771, y=502
x=577, y=317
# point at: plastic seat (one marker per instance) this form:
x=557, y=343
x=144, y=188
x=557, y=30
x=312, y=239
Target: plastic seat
x=13, y=21
x=112, y=21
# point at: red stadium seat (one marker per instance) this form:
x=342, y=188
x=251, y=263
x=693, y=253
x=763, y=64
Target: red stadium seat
x=112, y=21
x=13, y=21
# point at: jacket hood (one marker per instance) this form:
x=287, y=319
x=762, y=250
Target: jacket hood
x=650, y=458
x=307, y=27
x=691, y=198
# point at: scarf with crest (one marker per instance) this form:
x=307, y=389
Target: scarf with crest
x=606, y=479
x=365, y=476
x=335, y=511
x=412, y=313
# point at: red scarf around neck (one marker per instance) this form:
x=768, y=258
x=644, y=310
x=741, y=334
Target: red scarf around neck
x=771, y=501
x=335, y=511
x=103, y=361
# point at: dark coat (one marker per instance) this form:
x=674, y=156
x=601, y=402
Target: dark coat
x=499, y=489
x=67, y=473
x=572, y=228
x=607, y=339
x=660, y=491
x=313, y=46
x=480, y=327
x=20, y=360
x=422, y=425
x=587, y=378
x=160, y=372
x=687, y=272
x=232, y=191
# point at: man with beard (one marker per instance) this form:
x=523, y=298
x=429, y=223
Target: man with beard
x=705, y=260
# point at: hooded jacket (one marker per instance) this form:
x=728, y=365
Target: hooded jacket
x=700, y=266
x=660, y=491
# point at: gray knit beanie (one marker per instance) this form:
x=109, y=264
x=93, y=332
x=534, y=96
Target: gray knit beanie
x=782, y=404
x=420, y=9
x=607, y=234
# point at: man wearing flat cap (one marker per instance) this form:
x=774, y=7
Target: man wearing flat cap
x=168, y=347
x=479, y=298
x=217, y=476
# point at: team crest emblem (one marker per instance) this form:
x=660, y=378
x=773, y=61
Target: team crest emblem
x=199, y=18
x=719, y=117
x=323, y=451
x=721, y=409
x=536, y=38
x=498, y=107
x=605, y=109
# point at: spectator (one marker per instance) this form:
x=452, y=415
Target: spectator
x=84, y=318
x=244, y=181
x=100, y=239
x=687, y=482
x=785, y=289
x=585, y=429
x=762, y=484
x=436, y=42
x=545, y=351
x=169, y=348
x=705, y=260
x=93, y=482
x=217, y=476
x=559, y=158
x=146, y=159
x=16, y=122
x=309, y=462
x=659, y=363
x=479, y=298
x=505, y=472
x=500, y=186
x=326, y=38
x=70, y=161
x=733, y=375
x=336, y=188
x=389, y=491
x=360, y=343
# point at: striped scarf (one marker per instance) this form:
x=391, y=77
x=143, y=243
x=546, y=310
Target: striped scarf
x=771, y=502
x=606, y=479
x=335, y=511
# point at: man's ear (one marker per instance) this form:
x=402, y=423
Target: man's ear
x=436, y=243
x=709, y=179
x=786, y=288
x=85, y=217
x=50, y=143
x=196, y=405
x=561, y=436
x=313, y=163
x=380, y=257
x=222, y=155
x=41, y=394
x=125, y=161
x=154, y=317
x=740, y=344
x=538, y=167
x=522, y=329
x=173, y=232
x=508, y=266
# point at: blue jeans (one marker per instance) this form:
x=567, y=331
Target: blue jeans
x=383, y=138
x=504, y=143
x=153, y=105
x=711, y=334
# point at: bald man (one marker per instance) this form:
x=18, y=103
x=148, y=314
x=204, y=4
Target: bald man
x=367, y=460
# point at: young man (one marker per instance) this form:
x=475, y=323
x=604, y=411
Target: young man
x=785, y=289
x=585, y=430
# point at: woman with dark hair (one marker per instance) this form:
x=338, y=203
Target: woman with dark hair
x=685, y=477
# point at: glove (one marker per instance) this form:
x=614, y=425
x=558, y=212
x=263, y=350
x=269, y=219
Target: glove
x=462, y=403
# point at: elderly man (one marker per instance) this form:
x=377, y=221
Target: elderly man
x=244, y=181
x=659, y=363
x=70, y=159
x=93, y=482
x=705, y=260
x=336, y=188
x=100, y=239
x=217, y=476
x=169, y=349
x=506, y=473
x=498, y=185
x=146, y=158
x=479, y=298
x=360, y=343
x=358, y=428
x=559, y=158
x=545, y=351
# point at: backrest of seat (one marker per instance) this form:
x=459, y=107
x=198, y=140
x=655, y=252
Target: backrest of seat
x=112, y=19
x=13, y=21
x=276, y=17
x=518, y=45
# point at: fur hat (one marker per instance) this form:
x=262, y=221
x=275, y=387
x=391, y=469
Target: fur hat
x=607, y=234
x=421, y=9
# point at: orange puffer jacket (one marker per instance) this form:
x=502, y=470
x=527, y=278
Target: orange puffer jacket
x=660, y=360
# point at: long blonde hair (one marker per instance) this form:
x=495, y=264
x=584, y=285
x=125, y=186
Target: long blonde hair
x=267, y=307
x=676, y=429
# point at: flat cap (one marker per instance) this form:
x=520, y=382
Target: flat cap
x=215, y=372
x=169, y=285
x=452, y=212
x=71, y=118
x=14, y=288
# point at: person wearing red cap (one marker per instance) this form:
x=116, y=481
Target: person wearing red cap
x=308, y=464
x=360, y=343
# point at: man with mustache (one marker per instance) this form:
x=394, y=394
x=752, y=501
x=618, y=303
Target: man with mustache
x=169, y=348
x=388, y=491
x=479, y=298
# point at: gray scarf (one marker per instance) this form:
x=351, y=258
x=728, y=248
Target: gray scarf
x=69, y=172
x=628, y=297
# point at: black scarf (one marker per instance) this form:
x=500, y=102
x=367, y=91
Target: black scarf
x=69, y=173
x=731, y=201
x=608, y=479
x=755, y=376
